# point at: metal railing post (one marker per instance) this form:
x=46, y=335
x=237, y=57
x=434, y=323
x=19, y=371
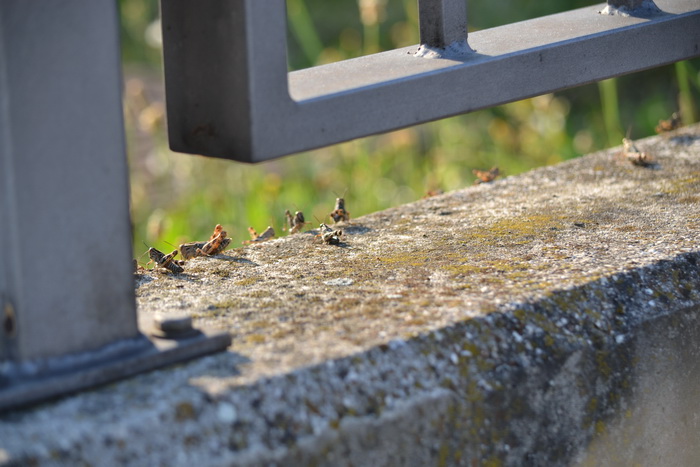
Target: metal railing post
x=633, y=4
x=442, y=22
x=64, y=180
x=67, y=306
x=642, y=8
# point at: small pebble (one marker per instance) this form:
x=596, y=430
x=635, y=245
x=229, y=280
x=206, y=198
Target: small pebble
x=226, y=413
x=341, y=281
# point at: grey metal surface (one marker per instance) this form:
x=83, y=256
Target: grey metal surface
x=229, y=94
x=6, y=188
x=442, y=22
x=632, y=5
x=64, y=180
x=67, y=306
x=32, y=382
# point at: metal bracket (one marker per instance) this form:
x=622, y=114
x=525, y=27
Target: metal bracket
x=229, y=93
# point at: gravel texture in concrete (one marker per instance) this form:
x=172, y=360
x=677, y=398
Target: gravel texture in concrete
x=515, y=322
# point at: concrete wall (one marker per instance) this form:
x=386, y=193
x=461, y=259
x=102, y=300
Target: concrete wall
x=545, y=319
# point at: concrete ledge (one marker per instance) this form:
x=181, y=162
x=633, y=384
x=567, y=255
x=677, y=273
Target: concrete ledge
x=545, y=319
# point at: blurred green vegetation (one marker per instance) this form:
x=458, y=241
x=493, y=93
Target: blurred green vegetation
x=177, y=197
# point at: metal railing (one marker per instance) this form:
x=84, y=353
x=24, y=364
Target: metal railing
x=67, y=307
x=229, y=93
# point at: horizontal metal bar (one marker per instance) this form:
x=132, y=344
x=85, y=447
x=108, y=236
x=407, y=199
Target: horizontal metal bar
x=279, y=113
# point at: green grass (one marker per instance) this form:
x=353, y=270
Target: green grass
x=178, y=197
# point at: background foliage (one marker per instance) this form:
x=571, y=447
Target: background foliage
x=177, y=197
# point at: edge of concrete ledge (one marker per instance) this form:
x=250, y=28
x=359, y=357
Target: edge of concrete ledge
x=597, y=372
x=536, y=387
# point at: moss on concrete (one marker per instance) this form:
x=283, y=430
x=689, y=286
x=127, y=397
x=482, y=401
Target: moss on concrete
x=495, y=325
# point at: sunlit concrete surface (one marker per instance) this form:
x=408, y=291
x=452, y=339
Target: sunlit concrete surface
x=549, y=318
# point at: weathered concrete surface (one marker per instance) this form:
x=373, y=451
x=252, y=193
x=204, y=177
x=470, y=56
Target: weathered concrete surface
x=544, y=319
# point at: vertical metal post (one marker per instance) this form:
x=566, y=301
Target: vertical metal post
x=67, y=307
x=442, y=22
x=632, y=4
x=64, y=202
x=631, y=7
x=237, y=47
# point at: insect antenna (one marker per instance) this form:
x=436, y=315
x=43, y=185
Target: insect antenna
x=339, y=196
x=146, y=250
x=138, y=260
x=319, y=228
x=177, y=248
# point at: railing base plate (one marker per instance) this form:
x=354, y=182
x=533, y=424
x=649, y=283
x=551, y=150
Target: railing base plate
x=23, y=384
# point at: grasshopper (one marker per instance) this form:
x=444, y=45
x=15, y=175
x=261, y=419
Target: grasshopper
x=164, y=261
x=255, y=238
x=328, y=235
x=190, y=250
x=339, y=213
x=635, y=156
x=669, y=125
x=296, y=222
x=486, y=176
x=216, y=244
